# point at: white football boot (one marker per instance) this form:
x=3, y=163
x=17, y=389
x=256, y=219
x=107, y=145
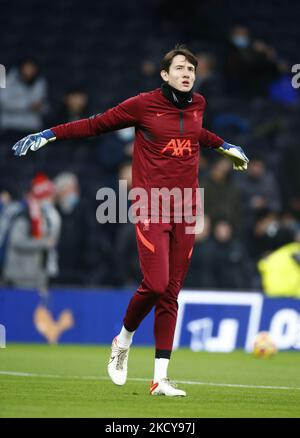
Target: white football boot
x=117, y=365
x=166, y=387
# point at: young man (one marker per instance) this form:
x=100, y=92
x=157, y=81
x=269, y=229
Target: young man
x=168, y=123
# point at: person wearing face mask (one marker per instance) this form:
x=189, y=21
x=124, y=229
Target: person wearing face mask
x=24, y=101
x=250, y=66
x=31, y=258
x=73, y=212
x=67, y=192
x=84, y=249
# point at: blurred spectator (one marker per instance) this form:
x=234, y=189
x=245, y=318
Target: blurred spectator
x=149, y=76
x=221, y=198
x=24, y=100
x=268, y=233
x=204, y=168
x=231, y=263
x=126, y=255
x=85, y=253
x=116, y=148
x=73, y=244
x=290, y=165
x=8, y=195
x=128, y=272
x=290, y=222
x=5, y=198
x=250, y=65
x=74, y=106
x=280, y=271
x=201, y=274
x=208, y=82
x=10, y=209
x=31, y=257
x=258, y=189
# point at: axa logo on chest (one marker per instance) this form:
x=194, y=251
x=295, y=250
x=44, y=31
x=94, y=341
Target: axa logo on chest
x=178, y=147
x=222, y=322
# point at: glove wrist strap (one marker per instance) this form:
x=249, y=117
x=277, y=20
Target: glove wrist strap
x=49, y=135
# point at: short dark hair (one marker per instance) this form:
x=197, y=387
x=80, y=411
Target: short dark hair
x=179, y=49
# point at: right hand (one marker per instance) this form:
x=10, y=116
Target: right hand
x=33, y=142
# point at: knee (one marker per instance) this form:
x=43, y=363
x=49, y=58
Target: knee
x=159, y=286
x=174, y=287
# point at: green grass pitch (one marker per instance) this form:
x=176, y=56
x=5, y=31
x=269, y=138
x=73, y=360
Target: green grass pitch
x=71, y=381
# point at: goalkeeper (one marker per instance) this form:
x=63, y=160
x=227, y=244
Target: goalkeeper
x=169, y=133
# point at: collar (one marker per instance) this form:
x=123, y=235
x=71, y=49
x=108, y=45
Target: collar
x=181, y=99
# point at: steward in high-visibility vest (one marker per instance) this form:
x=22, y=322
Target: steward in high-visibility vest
x=280, y=271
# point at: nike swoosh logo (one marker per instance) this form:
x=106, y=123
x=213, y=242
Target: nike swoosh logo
x=153, y=387
x=160, y=114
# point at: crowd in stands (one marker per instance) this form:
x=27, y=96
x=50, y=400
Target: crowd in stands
x=48, y=227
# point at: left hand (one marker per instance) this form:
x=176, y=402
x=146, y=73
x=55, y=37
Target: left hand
x=235, y=154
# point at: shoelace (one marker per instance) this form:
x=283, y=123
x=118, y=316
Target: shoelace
x=120, y=360
x=169, y=382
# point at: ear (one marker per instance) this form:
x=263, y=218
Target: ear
x=165, y=75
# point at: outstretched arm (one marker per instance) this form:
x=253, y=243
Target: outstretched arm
x=127, y=113
x=234, y=153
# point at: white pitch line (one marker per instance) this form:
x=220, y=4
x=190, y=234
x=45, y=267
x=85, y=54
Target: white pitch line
x=137, y=379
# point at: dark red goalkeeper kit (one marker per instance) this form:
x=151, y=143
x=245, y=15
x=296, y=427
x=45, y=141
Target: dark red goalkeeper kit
x=166, y=155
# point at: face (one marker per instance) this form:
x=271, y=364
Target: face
x=223, y=231
x=181, y=74
x=67, y=190
x=29, y=70
x=240, y=37
x=256, y=168
x=76, y=102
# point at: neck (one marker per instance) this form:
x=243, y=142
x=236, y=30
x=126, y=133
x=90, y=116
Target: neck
x=181, y=99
